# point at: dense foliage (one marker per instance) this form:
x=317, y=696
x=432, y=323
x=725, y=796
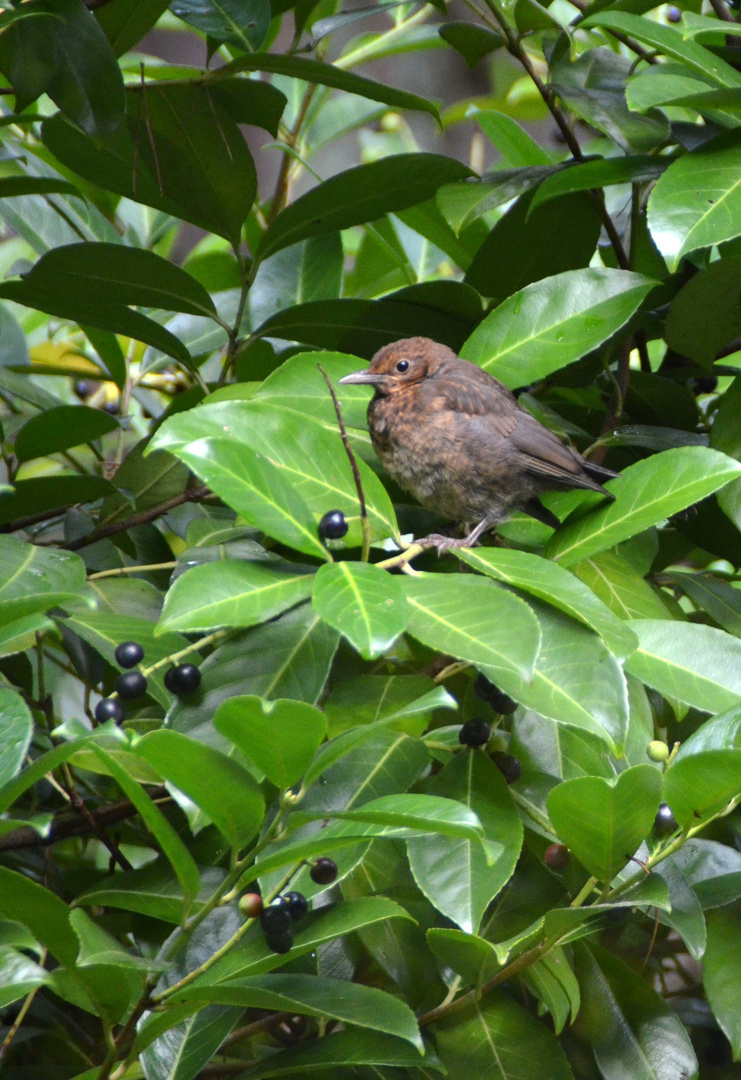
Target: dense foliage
x=281, y=794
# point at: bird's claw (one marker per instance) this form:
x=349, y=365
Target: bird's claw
x=445, y=543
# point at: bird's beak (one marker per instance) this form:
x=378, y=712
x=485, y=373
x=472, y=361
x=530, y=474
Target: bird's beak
x=363, y=378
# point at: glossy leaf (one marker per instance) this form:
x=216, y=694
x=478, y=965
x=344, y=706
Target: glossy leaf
x=604, y=822
x=62, y=52
x=696, y=664
x=721, y=968
x=596, y=174
x=230, y=21
x=554, y=322
x=697, y=202
x=360, y=194
x=686, y=915
x=632, y=1031
x=625, y=592
x=125, y=22
x=311, y=457
x=496, y=1037
x=548, y=581
x=171, y=844
x=340, y=1048
x=455, y=874
x=702, y=784
x=220, y=787
x=471, y=41
x=306, y=995
x=645, y=493
x=314, y=71
x=41, y=910
x=16, y=731
x=280, y=737
x=704, y=315
x=474, y=621
x=36, y=579
x=366, y=605
x=257, y=489
x=233, y=594
x=428, y=813
x=152, y=890
x=19, y=975
x=59, y=429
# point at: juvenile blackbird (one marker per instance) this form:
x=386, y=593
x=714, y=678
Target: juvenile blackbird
x=457, y=440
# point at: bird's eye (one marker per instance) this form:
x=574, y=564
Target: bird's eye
x=402, y=366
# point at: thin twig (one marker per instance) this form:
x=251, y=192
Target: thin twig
x=142, y=518
x=721, y=10
x=280, y=196
x=67, y=825
x=353, y=465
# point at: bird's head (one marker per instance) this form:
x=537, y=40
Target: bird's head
x=401, y=364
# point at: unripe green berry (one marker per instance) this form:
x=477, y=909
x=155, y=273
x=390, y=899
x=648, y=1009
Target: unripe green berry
x=658, y=750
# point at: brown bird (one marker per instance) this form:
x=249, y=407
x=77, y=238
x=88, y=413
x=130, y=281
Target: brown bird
x=458, y=440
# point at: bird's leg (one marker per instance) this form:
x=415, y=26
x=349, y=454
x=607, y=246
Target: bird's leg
x=445, y=543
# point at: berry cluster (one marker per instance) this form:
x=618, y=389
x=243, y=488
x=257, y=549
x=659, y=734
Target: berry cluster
x=182, y=679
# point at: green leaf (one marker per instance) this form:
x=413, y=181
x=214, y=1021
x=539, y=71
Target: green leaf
x=550, y=582
x=515, y=144
x=217, y=785
x=253, y=957
x=697, y=202
x=59, y=429
x=314, y=71
x=702, y=784
x=307, y=995
x=526, y=246
x=497, y=1038
x=35, y=579
x=125, y=22
x=686, y=916
x=340, y=1048
x=171, y=844
x=633, y=1032
x=364, y=326
x=471, y=41
x=63, y=52
x=706, y=312
x=152, y=890
x=576, y=680
x=19, y=975
x=233, y=594
x=586, y=175
x=475, y=621
x=233, y=22
x=723, y=732
x=281, y=737
x=696, y=664
x=311, y=457
x=42, y=911
x=604, y=108
x=309, y=271
x=720, y=600
x=288, y=657
x=360, y=194
x=366, y=605
x=604, y=822
x=553, y=322
x=257, y=489
x=404, y=814
x=16, y=731
x=712, y=870
x=721, y=972
x=249, y=101
x=455, y=874
x=625, y=592
x=645, y=493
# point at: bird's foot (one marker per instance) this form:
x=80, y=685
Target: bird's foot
x=446, y=543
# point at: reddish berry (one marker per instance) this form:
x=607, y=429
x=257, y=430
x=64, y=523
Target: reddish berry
x=557, y=857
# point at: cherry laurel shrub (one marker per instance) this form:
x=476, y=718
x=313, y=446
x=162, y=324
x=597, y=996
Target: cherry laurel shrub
x=284, y=794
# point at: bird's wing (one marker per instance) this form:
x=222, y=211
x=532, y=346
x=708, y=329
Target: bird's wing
x=547, y=456
x=489, y=399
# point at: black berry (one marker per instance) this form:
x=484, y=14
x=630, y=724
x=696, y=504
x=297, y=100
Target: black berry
x=474, y=733
x=82, y=388
x=297, y=903
x=702, y=384
x=674, y=15
x=324, y=871
x=557, y=857
x=109, y=708
x=131, y=685
x=492, y=695
x=665, y=822
x=129, y=654
x=183, y=679
x=333, y=525
x=279, y=943
x=276, y=919
x=508, y=765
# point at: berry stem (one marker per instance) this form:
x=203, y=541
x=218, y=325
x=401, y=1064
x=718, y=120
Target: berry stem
x=207, y=640
x=365, y=555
